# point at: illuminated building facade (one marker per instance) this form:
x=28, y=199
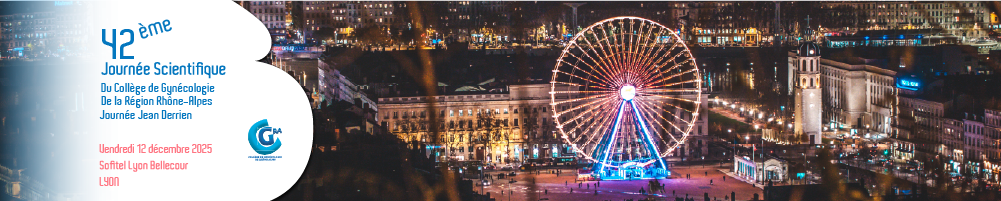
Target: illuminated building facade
x=49, y=33
x=523, y=128
x=982, y=138
x=356, y=14
x=274, y=15
x=962, y=19
x=851, y=96
x=493, y=127
x=19, y=186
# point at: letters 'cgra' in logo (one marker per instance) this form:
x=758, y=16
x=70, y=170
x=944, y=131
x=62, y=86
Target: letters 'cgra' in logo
x=257, y=134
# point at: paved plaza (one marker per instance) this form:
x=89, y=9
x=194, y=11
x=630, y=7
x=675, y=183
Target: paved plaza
x=552, y=187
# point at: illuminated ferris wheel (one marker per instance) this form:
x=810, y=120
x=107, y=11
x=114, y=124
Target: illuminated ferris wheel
x=625, y=94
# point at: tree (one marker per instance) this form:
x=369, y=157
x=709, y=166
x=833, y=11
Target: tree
x=373, y=35
x=412, y=129
x=494, y=130
x=453, y=137
x=325, y=33
x=532, y=124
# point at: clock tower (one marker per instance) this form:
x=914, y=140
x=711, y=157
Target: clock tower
x=808, y=93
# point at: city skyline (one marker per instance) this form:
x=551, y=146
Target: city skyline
x=448, y=100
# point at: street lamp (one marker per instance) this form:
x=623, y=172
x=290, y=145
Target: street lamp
x=733, y=144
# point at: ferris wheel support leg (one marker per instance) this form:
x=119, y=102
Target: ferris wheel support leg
x=646, y=138
x=603, y=154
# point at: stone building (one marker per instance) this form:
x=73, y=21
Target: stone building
x=274, y=15
x=964, y=19
x=523, y=125
x=761, y=170
x=493, y=127
x=851, y=96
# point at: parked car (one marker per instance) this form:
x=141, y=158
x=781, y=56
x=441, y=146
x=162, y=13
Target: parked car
x=512, y=174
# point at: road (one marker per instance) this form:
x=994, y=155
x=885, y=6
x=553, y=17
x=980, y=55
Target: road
x=556, y=187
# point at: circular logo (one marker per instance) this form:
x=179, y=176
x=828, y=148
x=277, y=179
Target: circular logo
x=263, y=138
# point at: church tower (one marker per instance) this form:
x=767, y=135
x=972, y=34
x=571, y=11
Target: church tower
x=808, y=92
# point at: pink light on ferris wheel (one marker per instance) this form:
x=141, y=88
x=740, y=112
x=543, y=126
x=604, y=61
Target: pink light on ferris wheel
x=625, y=60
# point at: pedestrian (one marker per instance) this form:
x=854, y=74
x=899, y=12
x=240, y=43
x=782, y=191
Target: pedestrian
x=588, y=186
x=595, y=191
x=580, y=185
x=707, y=173
x=547, y=191
x=674, y=193
x=724, y=178
x=598, y=185
x=571, y=190
x=641, y=191
x=565, y=183
x=710, y=182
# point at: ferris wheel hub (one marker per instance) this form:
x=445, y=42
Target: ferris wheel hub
x=627, y=92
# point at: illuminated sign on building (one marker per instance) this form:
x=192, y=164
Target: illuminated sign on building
x=908, y=84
